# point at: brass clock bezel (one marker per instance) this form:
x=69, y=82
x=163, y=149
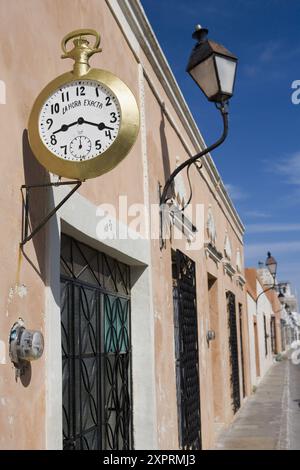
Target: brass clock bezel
x=102, y=163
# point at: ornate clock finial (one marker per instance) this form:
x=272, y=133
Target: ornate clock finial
x=81, y=51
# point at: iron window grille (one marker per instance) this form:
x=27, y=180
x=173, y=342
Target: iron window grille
x=96, y=349
x=233, y=350
x=186, y=351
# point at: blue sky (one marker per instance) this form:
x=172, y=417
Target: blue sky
x=260, y=160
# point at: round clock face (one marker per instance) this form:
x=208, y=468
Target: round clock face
x=80, y=120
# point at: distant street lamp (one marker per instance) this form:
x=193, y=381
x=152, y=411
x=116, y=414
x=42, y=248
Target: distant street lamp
x=281, y=297
x=213, y=68
x=271, y=264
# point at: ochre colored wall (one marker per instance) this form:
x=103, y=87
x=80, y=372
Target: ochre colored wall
x=29, y=59
x=30, y=34
x=163, y=146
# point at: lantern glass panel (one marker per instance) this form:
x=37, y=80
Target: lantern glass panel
x=226, y=71
x=205, y=75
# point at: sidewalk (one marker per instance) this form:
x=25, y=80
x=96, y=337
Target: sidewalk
x=270, y=419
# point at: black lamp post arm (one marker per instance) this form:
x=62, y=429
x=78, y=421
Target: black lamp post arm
x=223, y=107
x=266, y=290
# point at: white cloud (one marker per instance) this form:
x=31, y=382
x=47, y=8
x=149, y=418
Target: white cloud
x=235, y=192
x=256, y=214
x=263, y=228
x=290, y=168
x=289, y=269
x=270, y=51
x=251, y=70
x=259, y=250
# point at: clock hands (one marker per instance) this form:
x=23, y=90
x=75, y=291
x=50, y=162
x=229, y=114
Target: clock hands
x=101, y=126
x=65, y=127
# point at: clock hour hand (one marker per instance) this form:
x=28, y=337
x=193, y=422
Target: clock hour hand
x=65, y=127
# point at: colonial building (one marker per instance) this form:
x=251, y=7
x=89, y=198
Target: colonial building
x=264, y=322
x=146, y=346
x=290, y=316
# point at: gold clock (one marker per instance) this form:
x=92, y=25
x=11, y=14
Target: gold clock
x=84, y=122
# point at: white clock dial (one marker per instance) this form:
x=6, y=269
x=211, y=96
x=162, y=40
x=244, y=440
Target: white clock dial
x=80, y=120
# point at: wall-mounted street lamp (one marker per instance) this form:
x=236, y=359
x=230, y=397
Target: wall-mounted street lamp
x=213, y=68
x=271, y=264
x=281, y=297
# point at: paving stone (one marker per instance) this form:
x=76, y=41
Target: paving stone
x=270, y=418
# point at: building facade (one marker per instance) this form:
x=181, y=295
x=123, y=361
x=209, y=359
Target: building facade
x=145, y=347
x=290, y=315
x=264, y=322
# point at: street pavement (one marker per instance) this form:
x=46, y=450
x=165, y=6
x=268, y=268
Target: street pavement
x=270, y=418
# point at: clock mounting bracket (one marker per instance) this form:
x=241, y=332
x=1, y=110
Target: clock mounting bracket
x=26, y=203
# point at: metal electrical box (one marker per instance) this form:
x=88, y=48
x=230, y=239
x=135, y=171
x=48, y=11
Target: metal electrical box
x=25, y=345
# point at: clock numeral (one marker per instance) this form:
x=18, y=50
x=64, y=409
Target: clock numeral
x=108, y=134
x=49, y=122
x=113, y=117
x=80, y=91
x=98, y=145
x=55, y=108
x=53, y=139
x=97, y=92
x=65, y=97
x=108, y=101
x=65, y=149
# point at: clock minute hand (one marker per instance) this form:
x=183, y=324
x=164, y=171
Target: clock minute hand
x=89, y=122
x=101, y=126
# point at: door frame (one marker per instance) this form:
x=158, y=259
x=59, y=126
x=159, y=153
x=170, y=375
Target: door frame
x=233, y=351
x=186, y=382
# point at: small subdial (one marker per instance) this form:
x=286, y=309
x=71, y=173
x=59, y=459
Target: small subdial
x=80, y=146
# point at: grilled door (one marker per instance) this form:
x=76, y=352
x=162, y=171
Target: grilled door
x=186, y=350
x=233, y=350
x=96, y=350
x=242, y=349
x=273, y=334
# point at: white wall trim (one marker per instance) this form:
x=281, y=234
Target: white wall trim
x=53, y=357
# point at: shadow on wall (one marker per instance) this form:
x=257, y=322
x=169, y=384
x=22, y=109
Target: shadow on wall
x=25, y=378
x=41, y=202
x=165, y=153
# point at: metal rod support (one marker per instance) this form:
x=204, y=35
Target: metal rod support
x=274, y=285
x=48, y=185
x=223, y=107
x=27, y=237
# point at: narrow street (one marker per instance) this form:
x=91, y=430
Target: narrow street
x=270, y=419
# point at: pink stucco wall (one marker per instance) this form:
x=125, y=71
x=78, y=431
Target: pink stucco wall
x=29, y=59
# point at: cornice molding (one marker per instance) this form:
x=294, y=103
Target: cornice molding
x=229, y=269
x=145, y=36
x=213, y=253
